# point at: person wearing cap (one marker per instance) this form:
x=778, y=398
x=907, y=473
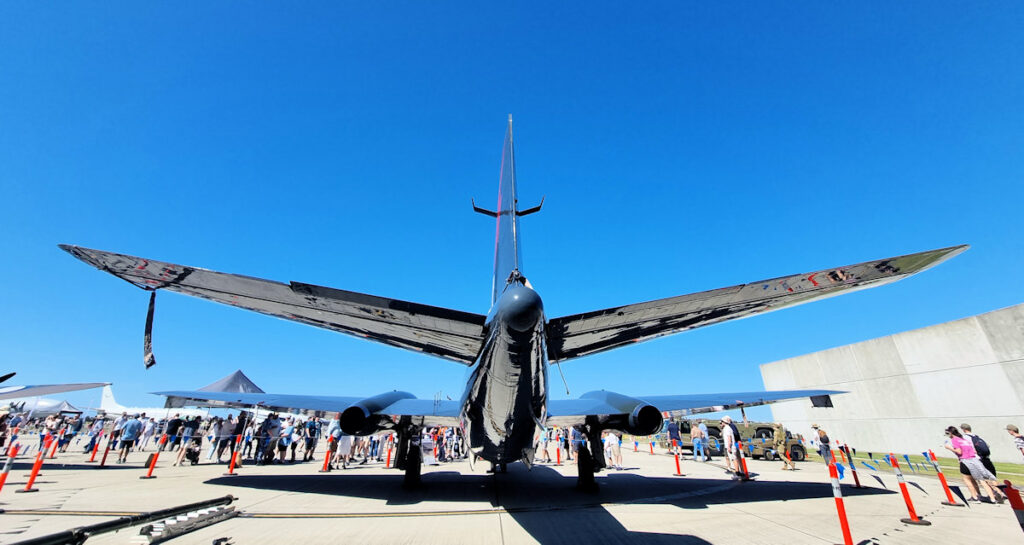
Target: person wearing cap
x=1018, y=439
x=779, y=442
x=729, y=445
x=824, y=446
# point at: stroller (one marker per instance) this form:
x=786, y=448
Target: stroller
x=192, y=450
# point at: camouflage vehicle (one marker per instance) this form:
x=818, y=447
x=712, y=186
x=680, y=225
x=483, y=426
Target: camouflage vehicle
x=757, y=439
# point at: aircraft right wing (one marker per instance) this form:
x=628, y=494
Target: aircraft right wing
x=14, y=392
x=571, y=412
x=450, y=334
x=592, y=332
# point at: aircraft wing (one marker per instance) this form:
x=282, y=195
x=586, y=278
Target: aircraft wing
x=433, y=413
x=450, y=334
x=569, y=412
x=592, y=332
x=14, y=392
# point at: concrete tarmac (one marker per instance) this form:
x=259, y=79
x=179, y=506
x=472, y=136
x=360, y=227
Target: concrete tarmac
x=644, y=503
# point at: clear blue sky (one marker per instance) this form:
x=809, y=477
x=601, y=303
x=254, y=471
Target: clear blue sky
x=681, y=148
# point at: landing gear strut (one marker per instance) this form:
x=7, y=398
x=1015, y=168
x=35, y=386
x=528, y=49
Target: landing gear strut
x=408, y=456
x=413, y=464
x=585, y=482
x=590, y=457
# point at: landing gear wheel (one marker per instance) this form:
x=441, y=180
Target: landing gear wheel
x=413, y=465
x=585, y=465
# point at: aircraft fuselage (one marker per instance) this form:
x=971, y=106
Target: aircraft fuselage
x=506, y=396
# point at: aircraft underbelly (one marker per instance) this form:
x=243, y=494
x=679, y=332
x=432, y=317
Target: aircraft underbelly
x=507, y=395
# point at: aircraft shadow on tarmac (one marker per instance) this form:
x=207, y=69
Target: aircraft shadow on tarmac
x=544, y=502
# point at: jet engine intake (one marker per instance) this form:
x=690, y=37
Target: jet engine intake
x=363, y=418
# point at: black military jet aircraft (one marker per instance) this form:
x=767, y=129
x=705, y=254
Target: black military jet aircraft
x=509, y=349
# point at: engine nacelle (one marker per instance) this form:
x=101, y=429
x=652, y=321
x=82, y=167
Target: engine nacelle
x=361, y=418
x=633, y=416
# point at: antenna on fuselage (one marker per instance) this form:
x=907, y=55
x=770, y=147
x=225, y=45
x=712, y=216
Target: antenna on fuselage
x=561, y=374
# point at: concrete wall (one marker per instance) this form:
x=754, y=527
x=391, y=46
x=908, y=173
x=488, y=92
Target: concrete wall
x=904, y=389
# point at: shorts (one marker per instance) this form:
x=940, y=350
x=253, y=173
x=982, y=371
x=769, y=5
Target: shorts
x=730, y=453
x=977, y=470
x=613, y=448
x=127, y=443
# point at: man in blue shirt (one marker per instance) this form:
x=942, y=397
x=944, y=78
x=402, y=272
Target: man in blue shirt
x=673, y=437
x=129, y=433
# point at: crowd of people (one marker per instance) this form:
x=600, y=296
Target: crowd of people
x=290, y=439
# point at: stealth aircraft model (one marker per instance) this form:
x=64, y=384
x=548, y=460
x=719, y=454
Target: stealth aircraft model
x=509, y=349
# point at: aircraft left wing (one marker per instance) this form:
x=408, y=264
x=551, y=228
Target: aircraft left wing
x=427, y=412
x=592, y=332
x=570, y=412
x=14, y=392
x=447, y=333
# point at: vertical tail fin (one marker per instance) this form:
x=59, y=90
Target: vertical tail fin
x=107, y=401
x=507, y=250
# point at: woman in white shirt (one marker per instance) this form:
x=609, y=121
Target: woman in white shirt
x=147, y=433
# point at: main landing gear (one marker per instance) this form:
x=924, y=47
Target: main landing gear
x=590, y=459
x=408, y=455
x=413, y=465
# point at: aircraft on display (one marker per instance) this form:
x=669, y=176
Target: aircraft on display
x=16, y=393
x=40, y=406
x=111, y=407
x=508, y=350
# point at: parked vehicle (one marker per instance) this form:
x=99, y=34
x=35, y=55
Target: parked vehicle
x=757, y=439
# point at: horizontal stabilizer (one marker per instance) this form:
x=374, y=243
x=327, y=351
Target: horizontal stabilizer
x=592, y=332
x=450, y=334
x=13, y=392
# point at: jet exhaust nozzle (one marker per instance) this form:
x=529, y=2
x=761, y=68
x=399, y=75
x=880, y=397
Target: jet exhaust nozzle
x=363, y=418
x=633, y=416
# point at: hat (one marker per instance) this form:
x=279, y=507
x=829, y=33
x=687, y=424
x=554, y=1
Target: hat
x=727, y=419
x=814, y=426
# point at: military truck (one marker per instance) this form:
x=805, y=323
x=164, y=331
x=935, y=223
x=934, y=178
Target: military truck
x=757, y=439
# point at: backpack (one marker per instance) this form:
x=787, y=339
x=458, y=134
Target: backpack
x=981, y=447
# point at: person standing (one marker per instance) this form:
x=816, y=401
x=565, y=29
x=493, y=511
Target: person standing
x=333, y=436
x=213, y=435
x=707, y=439
x=614, y=440
x=1018, y=439
x=729, y=445
x=312, y=433
x=187, y=430
x=129, y=433
x=697, y=438
x=115, y=431
x=147, y=433
x=824, y=444
x=980, y=447
x=172, y=432
x=674, y=440
x=779, y=442
x=964, y=450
